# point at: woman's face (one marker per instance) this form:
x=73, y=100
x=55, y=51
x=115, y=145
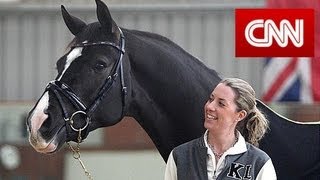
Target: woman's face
x=221, y=111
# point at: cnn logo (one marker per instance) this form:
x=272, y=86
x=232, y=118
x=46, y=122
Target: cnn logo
x=271, y=31
x=274, y=32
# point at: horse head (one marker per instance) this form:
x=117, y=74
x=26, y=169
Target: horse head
x=90, y=76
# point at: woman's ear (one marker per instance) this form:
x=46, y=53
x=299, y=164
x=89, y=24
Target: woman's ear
x=241, y=115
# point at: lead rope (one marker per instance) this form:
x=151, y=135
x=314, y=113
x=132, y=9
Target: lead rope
x=76, y=155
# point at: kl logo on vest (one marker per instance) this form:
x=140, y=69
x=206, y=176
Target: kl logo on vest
x=274, y=32
x=234, y=171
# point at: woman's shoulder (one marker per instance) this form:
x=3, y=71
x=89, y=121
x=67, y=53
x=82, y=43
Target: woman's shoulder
x=192, y=144
x=190, y=151
x=258, y=153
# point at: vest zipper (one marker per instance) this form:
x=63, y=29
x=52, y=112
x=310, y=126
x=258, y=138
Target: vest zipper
x=214, y=175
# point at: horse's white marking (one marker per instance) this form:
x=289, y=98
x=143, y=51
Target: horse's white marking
x=74, y=54
x=38, y=116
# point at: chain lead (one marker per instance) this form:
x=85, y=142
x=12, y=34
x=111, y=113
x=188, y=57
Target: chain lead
x=76, y=155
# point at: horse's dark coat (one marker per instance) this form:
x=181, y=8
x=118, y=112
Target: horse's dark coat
x=170, y=88
x=167, y=89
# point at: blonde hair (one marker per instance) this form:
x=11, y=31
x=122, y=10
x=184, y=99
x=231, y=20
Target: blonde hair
x=254, y=125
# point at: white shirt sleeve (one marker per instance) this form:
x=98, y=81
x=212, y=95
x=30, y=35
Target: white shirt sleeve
x=267, y=172
x=171, y=169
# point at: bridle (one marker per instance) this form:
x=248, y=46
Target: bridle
x=61, y=89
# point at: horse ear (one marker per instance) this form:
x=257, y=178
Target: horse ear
x=75, y=25
x=104, y=17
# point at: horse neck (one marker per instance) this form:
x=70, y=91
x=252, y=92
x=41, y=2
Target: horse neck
x=169, y=89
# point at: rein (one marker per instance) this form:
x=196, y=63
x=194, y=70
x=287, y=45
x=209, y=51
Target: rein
x=76, y=155
x=61, y=89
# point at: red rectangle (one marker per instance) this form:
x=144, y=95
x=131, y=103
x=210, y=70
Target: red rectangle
x=274, y=32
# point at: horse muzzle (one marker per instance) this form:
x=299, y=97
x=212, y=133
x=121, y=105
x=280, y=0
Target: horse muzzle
x=39, y=120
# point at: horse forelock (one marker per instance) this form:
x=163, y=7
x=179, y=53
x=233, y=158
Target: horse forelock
x=94, y=32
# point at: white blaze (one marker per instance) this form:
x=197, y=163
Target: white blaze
x=38, y=116
x=74, y=54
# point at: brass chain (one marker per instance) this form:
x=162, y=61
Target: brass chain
x=76, y=155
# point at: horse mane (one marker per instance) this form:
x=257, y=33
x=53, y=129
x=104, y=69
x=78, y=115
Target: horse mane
x=161, y=42
x=174, y=51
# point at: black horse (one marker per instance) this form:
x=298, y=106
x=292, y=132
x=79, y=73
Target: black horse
x=112, y=72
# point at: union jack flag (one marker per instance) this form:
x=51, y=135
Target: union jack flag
x=292, y=79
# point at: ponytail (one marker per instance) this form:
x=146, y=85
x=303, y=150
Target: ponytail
x=253, y=127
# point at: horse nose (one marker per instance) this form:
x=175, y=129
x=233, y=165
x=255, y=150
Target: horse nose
x=28, y=121
x=45, y=111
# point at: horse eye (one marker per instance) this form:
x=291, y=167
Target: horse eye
x=100, y=66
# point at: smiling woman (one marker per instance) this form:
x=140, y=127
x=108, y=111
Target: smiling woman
x=222, y=152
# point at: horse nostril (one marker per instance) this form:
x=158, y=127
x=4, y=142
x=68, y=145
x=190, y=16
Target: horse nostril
x=28, y=123
x=45, y=111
